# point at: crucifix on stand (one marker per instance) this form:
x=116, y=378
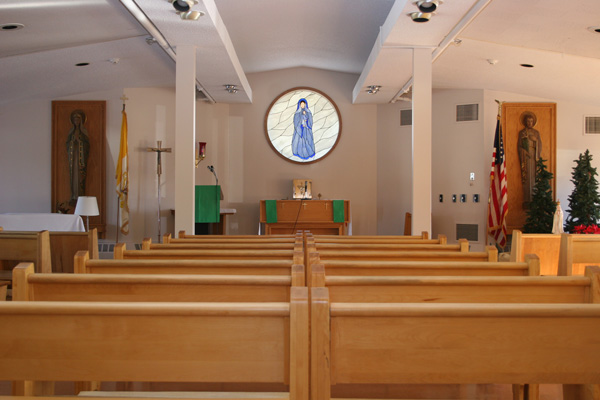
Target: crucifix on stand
x=158, y=150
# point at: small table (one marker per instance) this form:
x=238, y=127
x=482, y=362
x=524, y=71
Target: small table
x=53, y=222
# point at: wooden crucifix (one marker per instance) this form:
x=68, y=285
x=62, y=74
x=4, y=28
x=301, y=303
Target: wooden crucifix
x=158, y=150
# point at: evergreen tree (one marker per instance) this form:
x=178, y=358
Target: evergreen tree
x=540, y=214
x=584, y=202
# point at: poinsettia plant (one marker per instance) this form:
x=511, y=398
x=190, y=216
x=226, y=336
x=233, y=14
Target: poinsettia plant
x=589, y=229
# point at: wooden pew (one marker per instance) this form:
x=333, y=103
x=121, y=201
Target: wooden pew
x=452, y=343
x=183, y=235
x=121, y=253
x=64, y=246
x=459, y=289
x=83, y=264
x=3, y=289
x=489, y=255
x=158, y=342
x=577, y=251
x=30, y=286
x=183, y=238
x=196, y=244
x=26, y=246
x=545, y=245
x=423, y=239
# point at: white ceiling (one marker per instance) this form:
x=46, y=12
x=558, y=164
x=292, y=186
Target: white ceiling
x=369, y=38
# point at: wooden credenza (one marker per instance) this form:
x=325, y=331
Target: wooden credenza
x=313, y=215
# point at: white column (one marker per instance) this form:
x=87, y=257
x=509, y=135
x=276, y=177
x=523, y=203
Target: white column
x=421, y=139
x=185, y=138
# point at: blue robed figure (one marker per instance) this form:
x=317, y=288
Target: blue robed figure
x=303, y=144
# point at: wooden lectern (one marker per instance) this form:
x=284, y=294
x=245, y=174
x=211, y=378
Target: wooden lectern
x=285, y=217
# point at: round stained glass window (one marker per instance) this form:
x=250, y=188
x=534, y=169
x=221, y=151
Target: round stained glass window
x=303, y=125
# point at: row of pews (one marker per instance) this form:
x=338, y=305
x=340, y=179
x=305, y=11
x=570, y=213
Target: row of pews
x=306, y=313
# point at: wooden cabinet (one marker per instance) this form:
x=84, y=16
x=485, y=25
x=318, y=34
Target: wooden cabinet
x=316, y=216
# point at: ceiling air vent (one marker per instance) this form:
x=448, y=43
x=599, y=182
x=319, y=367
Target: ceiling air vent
x=592, y=125
x=405, y=117
x=467, y=112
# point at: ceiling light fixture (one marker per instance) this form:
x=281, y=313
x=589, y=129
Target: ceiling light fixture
x=594, y=29
x=184, y=9
x=11, y=27
x=373, y=89
x=420, y=16
x=151, y=40
x=231, y=88
x=428, y=6
x=82, y=64
x=526, y=65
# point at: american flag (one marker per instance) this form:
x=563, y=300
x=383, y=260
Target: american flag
x=498, y=200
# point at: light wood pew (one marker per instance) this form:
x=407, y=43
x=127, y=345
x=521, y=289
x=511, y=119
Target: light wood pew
x=183, y=235
x=121, y=253
x=462, y=246
x=83, y=264
x=490, y=255
x=167, y=238
x=16, y=246
x=158, y=342
x=545, y=245
x=64, y=245
x=356, y=239
x=459, y=289
x=195, y=244
x=30, y=286
x=3, y=289
x=423, y=239
x=452, y=343
x=577, y=251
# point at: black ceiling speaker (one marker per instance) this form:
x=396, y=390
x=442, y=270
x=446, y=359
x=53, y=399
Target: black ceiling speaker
x=182, y=5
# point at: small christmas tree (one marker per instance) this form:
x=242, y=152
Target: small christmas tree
x=584, y=202
x=540, y=214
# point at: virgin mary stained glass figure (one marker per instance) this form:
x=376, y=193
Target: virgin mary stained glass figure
x=303, y=144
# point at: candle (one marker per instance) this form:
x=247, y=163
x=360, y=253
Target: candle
x=201, y=149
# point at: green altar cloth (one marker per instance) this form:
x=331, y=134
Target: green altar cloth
x=338, y=211
x=208, y=203
x=271, y=211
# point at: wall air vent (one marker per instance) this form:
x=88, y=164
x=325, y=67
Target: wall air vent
x=405, y=117
x=592, y=125
x=467, y=112
x=467, y=231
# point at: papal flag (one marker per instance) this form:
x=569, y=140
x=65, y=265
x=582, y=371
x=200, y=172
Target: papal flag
x=498, y=200
x=123, y=178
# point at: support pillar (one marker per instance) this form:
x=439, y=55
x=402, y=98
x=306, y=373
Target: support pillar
x=421, y=141
x=185, y=138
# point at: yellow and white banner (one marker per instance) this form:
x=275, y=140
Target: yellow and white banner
x=123, y=178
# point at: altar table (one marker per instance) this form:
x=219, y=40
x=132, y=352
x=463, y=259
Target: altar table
x=285, y=217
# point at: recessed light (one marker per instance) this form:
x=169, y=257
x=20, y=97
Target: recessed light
x=83, y=64
x=526, y=65
x=594, y=29
x=420, y=16
x=11, y=27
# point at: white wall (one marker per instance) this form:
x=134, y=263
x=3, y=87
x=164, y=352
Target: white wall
x=394, y=169
x=370, y=166
x=348, y=172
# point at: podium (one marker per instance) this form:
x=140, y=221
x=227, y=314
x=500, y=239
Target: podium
x=320, y=217
x=207, y=210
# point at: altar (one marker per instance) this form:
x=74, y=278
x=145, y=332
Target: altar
x=320, y=217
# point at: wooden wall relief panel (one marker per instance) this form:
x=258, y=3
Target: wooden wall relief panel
x=79, y=157
x=537, y=121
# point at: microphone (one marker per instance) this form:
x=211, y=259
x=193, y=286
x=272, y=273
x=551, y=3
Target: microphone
x=211, y=168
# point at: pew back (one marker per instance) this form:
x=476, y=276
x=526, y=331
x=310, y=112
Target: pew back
x=190, y=267
x=65, y=245
x=168, y=342
x=429, y=343
x=30, y=286
x=577, y=251
x=26, y=246
x=459, y=289
x=545, y=245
